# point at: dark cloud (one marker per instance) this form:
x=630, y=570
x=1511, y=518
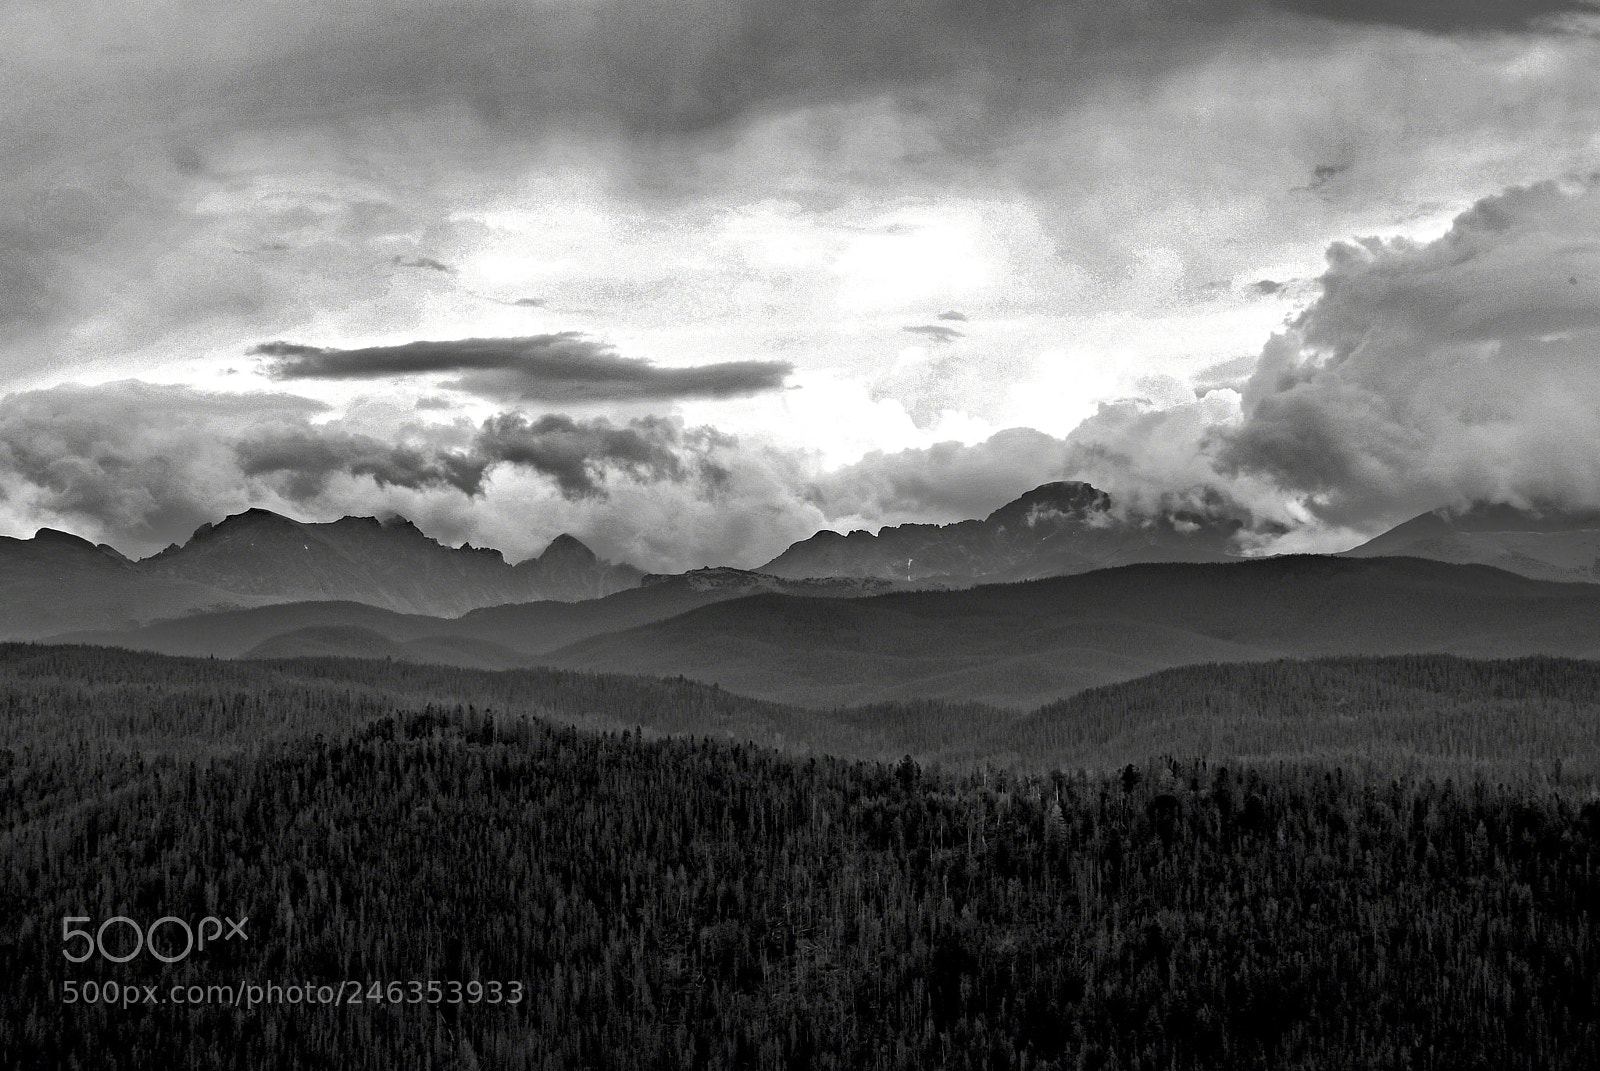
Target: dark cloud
x=937, y=332
x=659, y=74
x=1446, y=16
x=310, y=457
x=1266, y=286
x=951, y=315
x=679, y=70
x=582, y=457
x=578, y=454
x=140, y=463
x=403, y=97
x=665, y=78
x=426, y=263
x=1321, y=175
x=481, y=85
x=565, y=366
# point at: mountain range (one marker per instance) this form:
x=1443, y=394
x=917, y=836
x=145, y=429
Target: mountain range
x=56, y=582
x=835, y=620
x=1053, y=530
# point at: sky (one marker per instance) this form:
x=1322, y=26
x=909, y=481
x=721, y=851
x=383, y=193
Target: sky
x=692, y=280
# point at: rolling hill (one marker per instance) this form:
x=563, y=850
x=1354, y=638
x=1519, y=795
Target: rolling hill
x=1009, y=645
x=620, y=894
x=1491, y=719
x=1019, y=645
x=481, y=637
x=1546, y=545
x=1511, y=719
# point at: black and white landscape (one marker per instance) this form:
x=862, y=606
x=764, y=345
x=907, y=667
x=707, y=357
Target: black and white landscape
x=1024, y=535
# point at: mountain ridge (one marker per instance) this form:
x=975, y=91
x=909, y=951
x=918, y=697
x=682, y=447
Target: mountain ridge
x=1055, y=529
x=1541, y=543
x=1009, y=645
x=59, y=582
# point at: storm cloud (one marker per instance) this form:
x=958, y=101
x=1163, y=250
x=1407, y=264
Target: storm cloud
x=562, y=367
x=137, y=464
x=309, y=457
x=943, y=482
x=1451, y=16
x=142, y=465
x=1424, y=374
x=578, y=454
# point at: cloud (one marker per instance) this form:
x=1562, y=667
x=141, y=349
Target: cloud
x=136, y=463
x=581, y=457
x=1267, y=287
x=951, y=315
x=1424, y=374
x=310, y=457
x=944, y=482
x=142, y=465
x=343, y=138
x=705, y=63
x=1452, y=16
x=1158, y=455
x=577, y=454
x=565, y=367
x=427, y=263
x=936, y=332
x=1463, y=369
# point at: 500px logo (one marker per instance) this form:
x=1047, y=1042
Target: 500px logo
x=177, y=939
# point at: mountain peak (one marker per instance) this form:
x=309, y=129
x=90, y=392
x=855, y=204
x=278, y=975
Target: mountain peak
x=261, y=515
x=1055, y=529
x=567, y=548
x=60, y=538
x=254, y=517
x=395, y=522
x=1059, y=500
x=1543, y=542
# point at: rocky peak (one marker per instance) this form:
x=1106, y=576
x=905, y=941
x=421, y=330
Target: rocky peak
x=567, y=550
x=1058, y=501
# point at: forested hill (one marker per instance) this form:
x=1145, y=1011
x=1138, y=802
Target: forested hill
x=592, y=901
x=1508, y=718
x=1503, y=720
